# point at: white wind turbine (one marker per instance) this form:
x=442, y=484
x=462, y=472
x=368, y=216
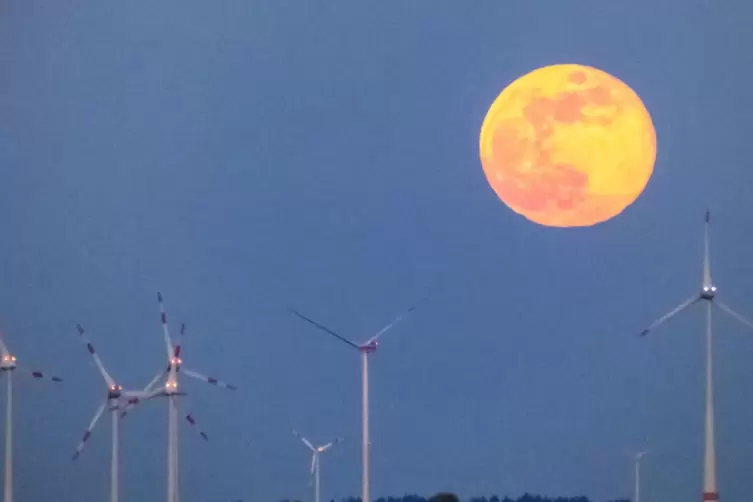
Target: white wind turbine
x=115, y=394
x=708, y=295
x=315, y=459
x=170, y=390
x=8, y=365
x=365, y=349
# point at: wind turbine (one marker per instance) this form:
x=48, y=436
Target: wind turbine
x=638, y=458
x=170, y=390
x=115, y=394
x=317, y=451
x=8, y=365
x=365, y=349
x=707, y=295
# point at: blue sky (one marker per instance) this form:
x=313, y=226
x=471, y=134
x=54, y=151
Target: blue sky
x=244, y=157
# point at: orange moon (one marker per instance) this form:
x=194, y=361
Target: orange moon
x=568, y=146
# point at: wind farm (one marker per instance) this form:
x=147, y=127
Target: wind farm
x=122, y=403
x=375, y=252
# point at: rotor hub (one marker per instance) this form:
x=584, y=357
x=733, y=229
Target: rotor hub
x=174, y=364
x=368, y=348
x=8, y=363
x=115, y=391
x=708, y=292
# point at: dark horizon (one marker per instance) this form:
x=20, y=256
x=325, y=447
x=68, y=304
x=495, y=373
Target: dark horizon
x=525, y=497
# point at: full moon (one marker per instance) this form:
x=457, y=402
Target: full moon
x=568, y=146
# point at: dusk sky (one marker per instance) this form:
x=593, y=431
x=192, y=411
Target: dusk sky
x=246, y=157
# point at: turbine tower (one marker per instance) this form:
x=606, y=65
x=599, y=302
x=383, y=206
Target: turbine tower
x=317, y=451
x=170, y=390
x=116, y=396
x=638, y=459
x=365, y=349
x=707, y=295
x=8, y=365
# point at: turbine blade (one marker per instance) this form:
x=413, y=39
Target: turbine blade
x=313, y=463
x=137, y=397
x=182, y=333
x=326, y=329
x=304, y=440
x=165, y=328
x=41, y=376
x=3, y=348
x=191, y=420
x=130, y=404
x=108, y=379
x=687, y=303
x=88, y=432
x=209, y=380
x=153, y=381
x=734, y=314
x=140, y=395
x=706, y=252
x=390, y=325
x=330, y=445
x=134, y=398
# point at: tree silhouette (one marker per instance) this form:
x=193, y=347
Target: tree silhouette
x=451, y=497
x=444, y=497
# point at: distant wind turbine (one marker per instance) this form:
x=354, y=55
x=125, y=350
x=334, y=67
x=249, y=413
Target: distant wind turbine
x=8, y=365
x=315, y=459
x=708, y=295
x=365, y=349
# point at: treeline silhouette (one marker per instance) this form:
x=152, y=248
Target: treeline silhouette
x=449, y=497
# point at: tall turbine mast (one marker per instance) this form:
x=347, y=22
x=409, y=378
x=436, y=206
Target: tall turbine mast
x=638, y=459
x=707, y=294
